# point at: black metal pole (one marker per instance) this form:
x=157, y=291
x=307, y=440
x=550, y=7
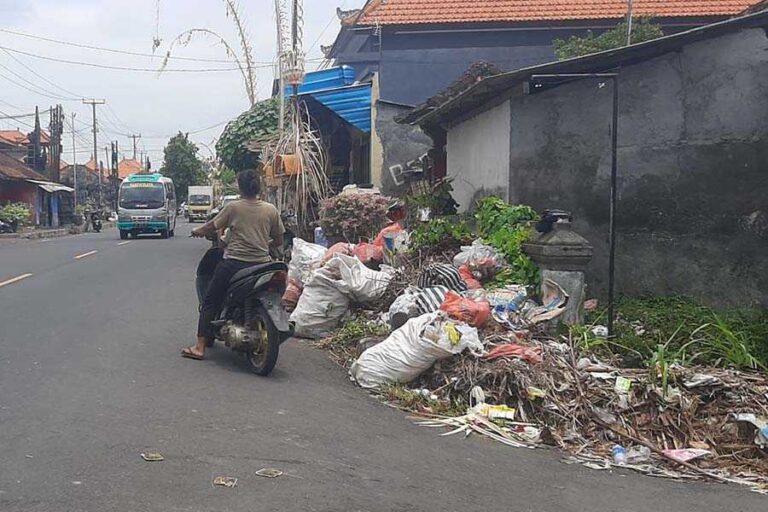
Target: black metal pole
x=612, y=214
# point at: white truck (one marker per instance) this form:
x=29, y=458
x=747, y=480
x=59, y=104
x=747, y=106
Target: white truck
x=199, y=202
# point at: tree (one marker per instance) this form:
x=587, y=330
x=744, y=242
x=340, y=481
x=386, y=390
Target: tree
x=228, y=177
x=259, y=122
x=643, y=29
x=181, y=164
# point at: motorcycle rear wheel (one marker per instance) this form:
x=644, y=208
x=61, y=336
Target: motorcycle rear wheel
x=261, y=358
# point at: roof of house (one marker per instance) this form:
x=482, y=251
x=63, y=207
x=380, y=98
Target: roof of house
x=12, y=169
x=406, y=12
x=20, y=138
x=497, y=88
x=127, y=167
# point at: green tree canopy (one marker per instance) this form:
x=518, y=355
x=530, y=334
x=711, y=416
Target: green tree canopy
x=643, y=29
x=181, y=164
x=259, y=122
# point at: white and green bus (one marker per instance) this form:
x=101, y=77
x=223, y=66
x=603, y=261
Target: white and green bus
x=146, y=204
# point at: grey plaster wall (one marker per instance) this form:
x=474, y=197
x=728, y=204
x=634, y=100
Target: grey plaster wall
x=400, y=144
x=478, y=156
x=693, y=169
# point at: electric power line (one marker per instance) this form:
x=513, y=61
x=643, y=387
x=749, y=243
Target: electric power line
x=38, y=75
x=114, y=50
x=123, y=68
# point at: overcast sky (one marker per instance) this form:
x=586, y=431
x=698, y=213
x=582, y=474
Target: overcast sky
x=155, y=105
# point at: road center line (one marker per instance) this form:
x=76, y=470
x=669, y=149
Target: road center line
x=85, y=254
x=124, y=243
x=14, y=280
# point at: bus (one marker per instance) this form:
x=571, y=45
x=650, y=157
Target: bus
x=146, y=204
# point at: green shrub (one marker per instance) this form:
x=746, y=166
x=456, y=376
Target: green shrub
x=18, y=213
x=506, y=227
x=441, y=235
x=354, y=217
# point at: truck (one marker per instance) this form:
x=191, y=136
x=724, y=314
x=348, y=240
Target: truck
x=199, y=202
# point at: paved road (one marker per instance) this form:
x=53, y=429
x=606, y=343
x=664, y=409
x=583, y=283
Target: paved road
x=90, y=377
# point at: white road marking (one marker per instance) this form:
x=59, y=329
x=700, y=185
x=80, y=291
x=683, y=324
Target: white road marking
x=14, y=280
x=79, y=256
x=124, y=243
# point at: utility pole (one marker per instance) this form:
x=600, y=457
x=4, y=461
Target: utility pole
x=629, y=22
x=93, y=103
x=134, y=137
x=56, y=128
x=74, y=158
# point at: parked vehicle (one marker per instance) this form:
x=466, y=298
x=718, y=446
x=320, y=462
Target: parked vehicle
x=252, y=321
x=200, y=202
x=222, y=203
x=146, y=204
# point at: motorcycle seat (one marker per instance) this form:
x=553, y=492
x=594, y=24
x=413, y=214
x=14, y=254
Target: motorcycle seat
x=262, y=268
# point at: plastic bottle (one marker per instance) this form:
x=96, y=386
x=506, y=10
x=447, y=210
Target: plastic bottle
x=638, y=454
x=619, y=455
x=320, y=237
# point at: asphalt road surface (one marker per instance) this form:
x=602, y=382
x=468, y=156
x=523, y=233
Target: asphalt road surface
x=90, y=377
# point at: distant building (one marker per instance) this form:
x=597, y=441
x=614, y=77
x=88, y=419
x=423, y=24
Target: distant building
x=46, y=200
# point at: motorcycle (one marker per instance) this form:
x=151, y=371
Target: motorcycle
x=252, y=321
x=6, y=228
x=96, y=221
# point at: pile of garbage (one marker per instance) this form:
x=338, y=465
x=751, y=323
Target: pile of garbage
x=452, y=341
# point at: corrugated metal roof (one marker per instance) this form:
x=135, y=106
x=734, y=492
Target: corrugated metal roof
x=335, y=89
x=353, y=104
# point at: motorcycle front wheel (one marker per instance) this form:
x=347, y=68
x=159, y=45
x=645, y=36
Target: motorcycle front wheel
x=261, y=357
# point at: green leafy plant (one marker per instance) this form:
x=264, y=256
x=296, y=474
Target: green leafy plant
x=354, y=217
x=440, y=200
x=15, y=213
x=441, y=234
x=258, y=123
x=643, y=29
x=507, y=227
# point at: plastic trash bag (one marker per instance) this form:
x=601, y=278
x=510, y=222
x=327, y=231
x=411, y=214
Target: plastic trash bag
x=305, y=258
x=413, y=349
x=369, y=254
x=480, y=258
x=339, y=248
x=475, y=313
x=403, y=309
x=359, y=282
x=466, y=274
x=440, y=274
x=292, y=294
x=322, y=305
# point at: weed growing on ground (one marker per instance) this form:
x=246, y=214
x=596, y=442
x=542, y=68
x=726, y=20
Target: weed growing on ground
x=654, y=330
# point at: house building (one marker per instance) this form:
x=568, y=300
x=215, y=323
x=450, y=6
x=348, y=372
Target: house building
x=692, y=213
x=47, y=201
x=409, y=50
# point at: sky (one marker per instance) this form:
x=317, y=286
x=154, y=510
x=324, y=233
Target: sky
x=155, y=105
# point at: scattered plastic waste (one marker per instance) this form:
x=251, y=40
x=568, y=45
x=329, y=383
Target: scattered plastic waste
x=530, y=354
x=619, y=455
x=600, y=331
x=474, y=313
x=225, y=481
x=269, y=473
x=623, y=385
x=152, y=457
x=760, y=422
x=687, y=454
x=638, y=454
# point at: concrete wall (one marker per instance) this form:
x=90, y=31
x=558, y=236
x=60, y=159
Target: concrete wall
x=478, y=156
x=693, y=169
x=398, y=144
